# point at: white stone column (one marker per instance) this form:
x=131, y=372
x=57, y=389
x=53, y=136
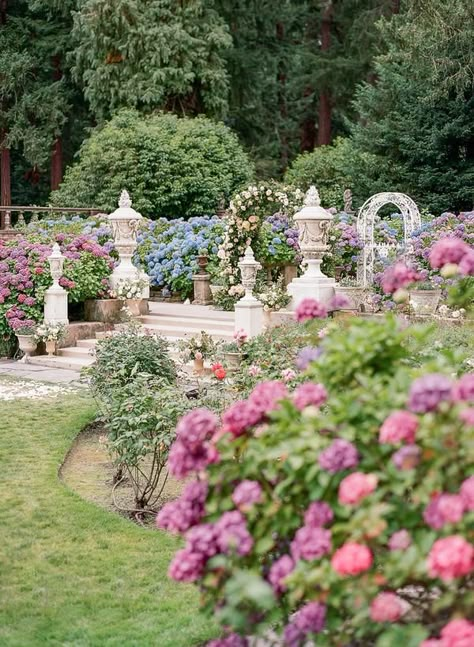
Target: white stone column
x=124, y=222
x=55, y=298
x=249, y=310
x=313, y=224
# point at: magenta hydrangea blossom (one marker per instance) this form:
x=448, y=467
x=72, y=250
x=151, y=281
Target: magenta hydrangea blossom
x=266, y=396
x=280, y=570
x=467, y=416
x=463, y=389
x=309, y=309
x=443, y=509
x=240, y=417
x=467, y=493
x=310, y=543
x=310, y=619
x=196, y=427
x=355, y=487
x=247, y=493
x=201, y=539
x=231, y=640
x=407, y=457
x=447, y=250
x=318, y=514
x=466, y=266
x=400, y=426
x=182, y=462
x=339, y=302
x=340, y=455
x=351, y=559
x=396, y=277
x=427, y=392
x=450, y=557
x=386, y=607
x=458, y=633
x=232, y=534
x=178, y=516
x=309, y=394
x=400, y=540
x=186, y=566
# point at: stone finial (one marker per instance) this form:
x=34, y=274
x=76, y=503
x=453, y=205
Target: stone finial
x=124, y=200
x=56, y=250
x=312, y=198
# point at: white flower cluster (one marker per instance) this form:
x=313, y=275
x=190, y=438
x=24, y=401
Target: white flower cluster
x=128, y=289
x=445, y=312
x=50, y=331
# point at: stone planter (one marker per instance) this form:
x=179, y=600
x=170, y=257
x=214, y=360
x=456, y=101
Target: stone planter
x=50, y=347
x=424, y=302
x=232, y=360
x=104, y=310
x=355, y=296
x=27, y=344
x=198, y=365
x=137, y=307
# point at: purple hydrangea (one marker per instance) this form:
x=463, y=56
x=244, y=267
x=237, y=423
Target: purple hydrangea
x=178, y=516
x=247, y=493
x=309, y=309
x=428, y=391
x=407, y=457
x=201, y=539
x=232, y=534
x=266, y=396
x=443, y=509
x=463, y=390
x=279, y=571
x=310, y=619
x=186, y=566
x=309, y=394
x=400, y=540
x=311, y=543
x=240, y=417
x=340, y=455
x=307, y=355
x=231, y=640
x=318, y=514
x=182, y=462
x=196, y=427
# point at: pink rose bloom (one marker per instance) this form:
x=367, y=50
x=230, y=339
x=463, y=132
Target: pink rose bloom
x=351, y=559
x=310, y=309
x=399, y=540
x=355, y=487
x=450, y=557
x=309, y=394
x=467, y=493
x=458, y=633
x=467, y=416
x=386, y=607
x=399, y=427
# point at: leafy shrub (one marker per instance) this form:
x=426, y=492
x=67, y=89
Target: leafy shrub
x=348, y=501
x=171, y=166
x=126, y=354
x=140, y=418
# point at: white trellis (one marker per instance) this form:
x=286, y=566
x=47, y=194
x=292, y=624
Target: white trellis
x=365, y=229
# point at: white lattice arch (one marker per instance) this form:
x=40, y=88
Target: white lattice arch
x=365, y=228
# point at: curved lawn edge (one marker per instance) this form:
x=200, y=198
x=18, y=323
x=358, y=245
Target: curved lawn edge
x=72, y=572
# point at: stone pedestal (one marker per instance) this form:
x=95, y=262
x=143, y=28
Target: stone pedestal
x=249, y=317
x=202, y=289
x=55, y=305
x=313, y=284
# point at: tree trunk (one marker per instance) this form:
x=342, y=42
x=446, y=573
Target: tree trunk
x=57, y=164
x=325, y=104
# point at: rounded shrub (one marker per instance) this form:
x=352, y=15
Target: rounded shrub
x=171, y=166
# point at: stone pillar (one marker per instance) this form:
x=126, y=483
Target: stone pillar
x=202, y=283
x=249, y=310
x=313, y=226
x=55, y=298
x=124, y=222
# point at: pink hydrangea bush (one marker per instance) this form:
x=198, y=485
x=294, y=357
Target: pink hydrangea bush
x=340, y=511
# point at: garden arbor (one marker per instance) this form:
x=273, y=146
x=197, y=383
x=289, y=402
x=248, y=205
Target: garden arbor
x=365, y=229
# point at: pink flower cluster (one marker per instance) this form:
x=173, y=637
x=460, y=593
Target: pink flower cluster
x=279, y=571
x=396, y=277
x=309, y=309
x=309, y=394
x=355, y=487
x=463, y=390
x=400, y=540
x=399, y=427
x=310, y=543
x=450, y=557
x=340, y=455
x=452, y=251
x=178, y=516
x=407, y=457
x=231, y=640
x=457, y=633
x=387, y=607
x=245, y=414
x=351, y=559
x=310, y=619
x=427, y=392
x=450, y=508
x=247, y=493
x=192, y=451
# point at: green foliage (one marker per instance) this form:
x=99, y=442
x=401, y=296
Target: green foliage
x=151, y=55
x=172, y=167
x=140, y=417
x=126, y=354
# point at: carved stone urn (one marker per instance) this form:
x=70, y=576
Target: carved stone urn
x=313, y=224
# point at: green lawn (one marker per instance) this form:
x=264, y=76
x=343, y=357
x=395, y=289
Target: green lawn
x=71, y=573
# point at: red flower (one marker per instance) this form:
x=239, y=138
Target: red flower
x=216, y=366
x=220, y=373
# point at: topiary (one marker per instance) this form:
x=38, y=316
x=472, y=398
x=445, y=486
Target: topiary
x=171, y=166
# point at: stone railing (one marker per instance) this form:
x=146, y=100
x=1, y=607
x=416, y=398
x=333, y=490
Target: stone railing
x=13, y=217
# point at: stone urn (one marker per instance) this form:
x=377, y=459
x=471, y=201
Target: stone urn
x=27, y=344
x=50, y=347
x=198, y=365
x=202, y=261
x=232, y=359
x=424, y=302
x=355, y=295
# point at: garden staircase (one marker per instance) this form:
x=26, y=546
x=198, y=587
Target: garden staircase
x=173, y=321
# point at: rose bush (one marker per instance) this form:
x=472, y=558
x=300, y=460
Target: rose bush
x=341, y=510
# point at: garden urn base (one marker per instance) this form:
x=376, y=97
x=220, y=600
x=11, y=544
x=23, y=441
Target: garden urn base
x=50, y=348
x=307, y=286
x=424, y=302
x=27, y=345
x=232, y=360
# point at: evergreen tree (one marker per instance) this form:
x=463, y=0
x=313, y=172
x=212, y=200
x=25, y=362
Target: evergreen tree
x=417, y=117
x=162, y=54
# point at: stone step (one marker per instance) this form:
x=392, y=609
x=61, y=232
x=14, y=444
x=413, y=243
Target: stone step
x=183, y=311
x=57, y=361
x=193, y=323
x=75, y=352
x=175, y=332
